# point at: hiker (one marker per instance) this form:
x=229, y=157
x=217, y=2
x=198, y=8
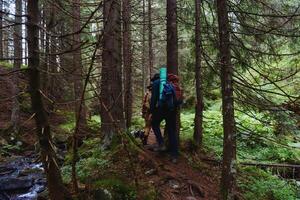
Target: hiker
x=146, y=114
x=164, y=106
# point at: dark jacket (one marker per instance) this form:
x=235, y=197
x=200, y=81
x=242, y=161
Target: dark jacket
x=155, y=95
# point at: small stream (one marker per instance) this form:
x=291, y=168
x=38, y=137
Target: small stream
x=21, y=179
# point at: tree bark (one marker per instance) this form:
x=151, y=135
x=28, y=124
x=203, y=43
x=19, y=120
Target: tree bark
x=229, y=144
x=127, y=60
x=172, y=38
x=25, y=42
x=198, y=129
x=172, y=48
x=57, y=191
x=77, y=64
x=15, y=115
x=150, y=40
x=144, y=66
x=1, y=31
x=111, y=75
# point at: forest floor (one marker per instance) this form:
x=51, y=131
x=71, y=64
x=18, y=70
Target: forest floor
x=188, y=179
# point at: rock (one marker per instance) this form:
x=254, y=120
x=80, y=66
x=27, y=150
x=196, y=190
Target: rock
x=4, y=196
x=6, y=170
x=174, y=184
x=43, y=195
x=190, y=198
x=102, y=194
x=150, y=172
x=8, y=183
x=3, y=142
x=29, y=171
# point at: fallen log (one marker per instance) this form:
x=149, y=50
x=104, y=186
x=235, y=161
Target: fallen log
x=275, y=165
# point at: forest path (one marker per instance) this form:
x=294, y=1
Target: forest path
x=180, y=181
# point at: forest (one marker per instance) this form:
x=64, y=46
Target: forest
x=149, y=100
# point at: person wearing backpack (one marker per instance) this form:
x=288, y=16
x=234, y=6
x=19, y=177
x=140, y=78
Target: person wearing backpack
x=164, y=106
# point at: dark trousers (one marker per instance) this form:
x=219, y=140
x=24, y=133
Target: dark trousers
x=170, y=118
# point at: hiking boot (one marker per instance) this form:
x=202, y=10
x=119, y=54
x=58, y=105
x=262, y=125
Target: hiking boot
x=160, y=148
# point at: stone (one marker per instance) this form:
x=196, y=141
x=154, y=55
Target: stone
x=9, y=183
x=43, y=195
x=174, y=184
x=150, y=172
x=190, y=198
x=102, y=194
x=6, y=170
x=4, y=196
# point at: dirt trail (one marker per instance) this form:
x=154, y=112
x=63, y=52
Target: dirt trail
x=180, y=181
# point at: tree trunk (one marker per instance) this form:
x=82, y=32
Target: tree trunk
x=1, y=31
x=144, y=67
x=229, y=144
x=150, y=40
x=172, y=38
x=25, y=42
x=127, y=60
x=198, y=129
x=15, y=115
x=77, y=64
x=172, y=47
x=45, y=43
x=57, y=191
x=111, y=75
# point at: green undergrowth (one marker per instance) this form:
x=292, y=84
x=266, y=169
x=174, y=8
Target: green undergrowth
x=118, y=189
x=69, y=125
x=258, y=140
x=260, y=184
x=105, y=171
x=9, y=65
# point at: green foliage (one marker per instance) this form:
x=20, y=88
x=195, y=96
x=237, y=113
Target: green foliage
x=93, y=161
x=119, y=189
x=262, y=185
x=9, y=65
x=256, y=141
x=6, y=65
x=213, y=131
x=69, y=125
x=137, y=122
x=94, y=123
x=6, y=149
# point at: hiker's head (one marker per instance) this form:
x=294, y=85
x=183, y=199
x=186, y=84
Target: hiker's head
x=173, y=78
x=155, y=77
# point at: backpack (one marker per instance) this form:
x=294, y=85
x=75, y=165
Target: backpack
x=168, y=97
x=172, y=94
x=178, y=94
x=174, y=80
